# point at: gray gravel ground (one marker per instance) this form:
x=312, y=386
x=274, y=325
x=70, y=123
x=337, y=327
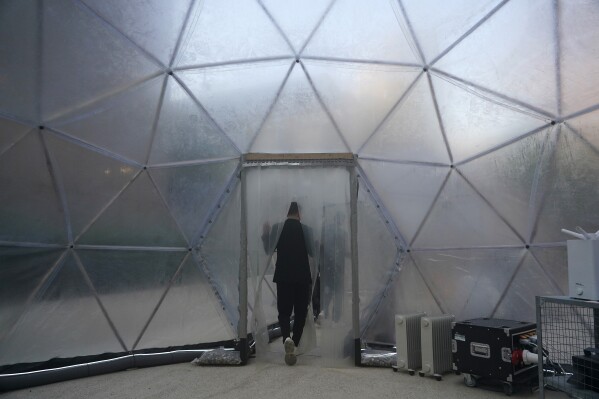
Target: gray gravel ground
x=264, y=378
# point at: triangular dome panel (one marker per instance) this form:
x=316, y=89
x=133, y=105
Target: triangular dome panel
x=297, y=18
x=190, y=305
x=502, y=55
x=130, y=285
x=220, y=258
x=121, y=124
x=10, y=133
x=412, y=131
x=65, y=321
x=587, y=127
x=22, y=270
x=408, y=293
x=90, y=180
x=377, y=261
x=437, y=25
x=402, y=192
x=359, y=96
x=578, y=41
x=298, y=123
x=138, y=217
x=569, y=189
x=30, y=209
x=155, y=25
x=459, y=206
x=230, y=30
x=224, y=92
x=506, y=178
x=84, y=59
x=185, y=131
x=191, y=192
x=474, y=124
x=554, y=261
x=376, y=37
x=469, y=283
x=20, y=54
x=529, y=281
x=411, y=292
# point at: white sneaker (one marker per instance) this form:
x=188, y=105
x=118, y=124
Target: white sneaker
x=290, y=355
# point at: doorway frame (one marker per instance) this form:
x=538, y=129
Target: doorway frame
x=347, y=160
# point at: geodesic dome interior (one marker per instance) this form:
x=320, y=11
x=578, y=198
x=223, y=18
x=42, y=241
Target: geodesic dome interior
x=122, y=124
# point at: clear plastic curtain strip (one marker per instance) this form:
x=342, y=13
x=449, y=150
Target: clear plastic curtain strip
x=322, y=194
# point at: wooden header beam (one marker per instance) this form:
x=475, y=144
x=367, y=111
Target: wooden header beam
x=264, y=157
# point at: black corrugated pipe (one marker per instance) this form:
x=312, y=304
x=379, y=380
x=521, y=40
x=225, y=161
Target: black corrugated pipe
x=28, y=375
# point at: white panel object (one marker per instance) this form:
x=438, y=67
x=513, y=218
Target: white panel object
x=583, y=269
x=436, y=345
x=407, y=341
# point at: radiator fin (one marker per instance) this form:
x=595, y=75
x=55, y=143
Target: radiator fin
x=436, y=344
x=407, y=341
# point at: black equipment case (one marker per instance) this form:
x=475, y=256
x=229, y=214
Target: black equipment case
x=586, y=369
x=487, y=349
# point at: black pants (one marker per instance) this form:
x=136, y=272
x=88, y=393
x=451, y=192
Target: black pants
x=293, y=298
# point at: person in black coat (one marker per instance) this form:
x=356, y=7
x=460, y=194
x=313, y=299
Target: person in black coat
x=292, y=275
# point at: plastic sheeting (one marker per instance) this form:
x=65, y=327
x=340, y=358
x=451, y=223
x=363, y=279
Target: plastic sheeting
x=121, y=125
x=322, y=194
x=219, y=254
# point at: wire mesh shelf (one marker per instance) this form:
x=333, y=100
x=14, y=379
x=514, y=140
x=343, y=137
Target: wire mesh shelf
x=568, y=333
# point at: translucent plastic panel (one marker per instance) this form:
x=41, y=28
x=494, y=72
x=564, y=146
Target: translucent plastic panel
x=66, y=321
x=588, y=127
x=569, y=189
x=10, y=133
x=84, y=59
x=554, y=262
x=297, y=122
x=412, y=131
x=219, y=254
x=297, y=18
x=226, y=30
x=469, y=283
x=503, y=55
x=519, y=301
x=130, y=285
x=191, y=192
x=185, y=132
x=407, y=191
x=437, y=25
x=189, y=314
x=155, y=25
x=346, y=33
x=90, y=180
x=323, y=198
x=461, y=219
x=121, y=123
x=268, y=295
x=335, y=287
x=408, y=293
x=21, y=271
x=19, y=58
x=377, y=251
x=30, y=209
x=506, y=178
x=238, y=97
x=137, y=217
x=473, y=124
x=359, y=96
x=579, y=58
